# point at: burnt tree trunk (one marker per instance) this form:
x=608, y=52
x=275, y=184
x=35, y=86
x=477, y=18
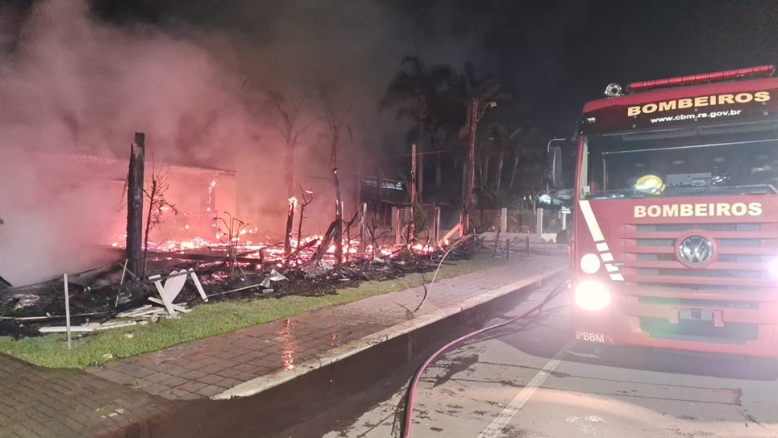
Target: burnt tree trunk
x=288, y=235
x=411, y=222
x=420, y=179
x=438, y=170
x=498, y=175
x=289, y=169
x=135, y=205
x=471, y=163
x=300, y=224
x=382, y=210
x=152, y=196
x=513, y=173
x=338, y=219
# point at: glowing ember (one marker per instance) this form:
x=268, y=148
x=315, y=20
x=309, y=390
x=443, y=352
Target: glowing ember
x=274, y=253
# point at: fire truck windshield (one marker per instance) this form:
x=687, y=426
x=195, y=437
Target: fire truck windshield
x=725, y=160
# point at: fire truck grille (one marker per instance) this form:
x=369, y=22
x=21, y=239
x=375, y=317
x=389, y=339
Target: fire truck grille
x=699, y=331
x=719, y=273
x=706, y=227
x=743, y=253
x=693, y=303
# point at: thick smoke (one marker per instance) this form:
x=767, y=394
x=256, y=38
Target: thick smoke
x=71, y=83
x=75, y=86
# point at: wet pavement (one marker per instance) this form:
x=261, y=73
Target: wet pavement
x=527, y=380
x=309, y=405
x=251, y=360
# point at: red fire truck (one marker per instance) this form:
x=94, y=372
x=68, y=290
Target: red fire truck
x=675, y=238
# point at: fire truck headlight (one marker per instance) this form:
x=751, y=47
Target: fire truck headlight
x=590, y=263
x=592, y=295
x=772, y=267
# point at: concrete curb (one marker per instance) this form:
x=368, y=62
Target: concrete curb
x=277, y=378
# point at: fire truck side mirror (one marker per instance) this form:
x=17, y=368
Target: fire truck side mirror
x=554, y=167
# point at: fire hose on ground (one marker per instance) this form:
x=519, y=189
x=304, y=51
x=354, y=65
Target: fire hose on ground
x=408, y=418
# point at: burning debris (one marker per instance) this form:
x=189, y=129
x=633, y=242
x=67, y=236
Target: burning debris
x=182, y=278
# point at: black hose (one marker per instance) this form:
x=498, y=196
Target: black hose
x=406, y=426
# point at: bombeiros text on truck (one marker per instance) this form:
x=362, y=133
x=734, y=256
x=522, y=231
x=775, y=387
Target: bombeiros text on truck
x=675, y=230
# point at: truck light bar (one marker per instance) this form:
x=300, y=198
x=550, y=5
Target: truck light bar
x=765, y=70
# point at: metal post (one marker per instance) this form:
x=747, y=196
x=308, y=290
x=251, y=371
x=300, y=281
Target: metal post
x=67, y=310
x=504, y=220
x=528, y=252
x=507, y=249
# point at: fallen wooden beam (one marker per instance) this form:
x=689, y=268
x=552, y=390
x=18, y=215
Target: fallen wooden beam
x=63, y=329
x=134, y=312
x=113, y=325
x=175, y=307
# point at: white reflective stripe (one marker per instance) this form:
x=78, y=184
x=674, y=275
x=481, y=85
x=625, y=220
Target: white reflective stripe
x=611, y=268
x=606, y=257
x=602, y=246
x=617, y=277
x=591, y=221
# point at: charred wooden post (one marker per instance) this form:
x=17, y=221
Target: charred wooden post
x=338, y=236
x=381, y=206
x=471, y=163
x=306, y=200
x=420, y=178
x=135, y=205
x=435, y=226
x=359, y=182
x=325, y=244
x=411, y=222
x=398, y=225
x=288, y=235
x=363, y=231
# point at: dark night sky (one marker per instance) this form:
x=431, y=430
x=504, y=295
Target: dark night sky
x=555, y=54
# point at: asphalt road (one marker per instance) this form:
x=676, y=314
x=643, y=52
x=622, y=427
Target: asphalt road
x=527, y=380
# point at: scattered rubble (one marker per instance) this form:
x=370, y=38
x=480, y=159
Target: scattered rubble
x=103, y=298
x=106, y=297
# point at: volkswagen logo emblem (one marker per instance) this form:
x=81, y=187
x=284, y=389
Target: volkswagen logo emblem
x=695, y=250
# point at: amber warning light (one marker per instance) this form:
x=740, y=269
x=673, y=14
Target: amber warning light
x=765, y=70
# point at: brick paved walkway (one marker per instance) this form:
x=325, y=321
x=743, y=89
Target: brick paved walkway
x=44, y=403
x=249, y=360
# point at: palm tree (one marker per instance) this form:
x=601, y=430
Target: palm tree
x=288, y=112
x=504, y=138
x=523, y=145
x=478, y=94
x=446, y=118
x=419, y=93
x=336, y=123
